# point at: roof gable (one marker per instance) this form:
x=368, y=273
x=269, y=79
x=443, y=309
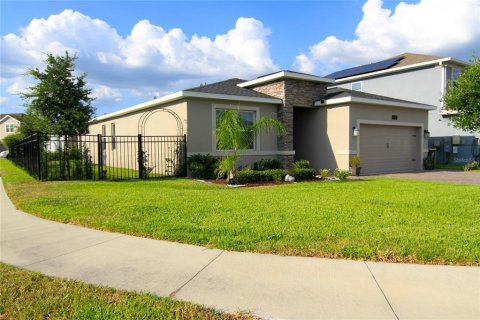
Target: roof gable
x=16, y=116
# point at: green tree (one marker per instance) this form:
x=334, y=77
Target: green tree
x=463, y=97
x=12, y=139
x=234, y=135
x=59, y=103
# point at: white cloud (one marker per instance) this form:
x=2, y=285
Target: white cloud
x=439, y=27
x=149, y=61
x=103, y=92
x=3, y=100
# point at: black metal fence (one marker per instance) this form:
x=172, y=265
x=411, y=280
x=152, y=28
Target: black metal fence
x=98, y=157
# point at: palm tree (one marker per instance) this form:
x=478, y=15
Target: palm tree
x=234, y=135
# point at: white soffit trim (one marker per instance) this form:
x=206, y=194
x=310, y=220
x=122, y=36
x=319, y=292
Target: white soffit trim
x=286, y=74
x=395, y=70
x=411, y=105
x=180, y=95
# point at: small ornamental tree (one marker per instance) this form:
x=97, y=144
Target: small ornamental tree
x=59, y=103
x=463, y=97
x=234, y=135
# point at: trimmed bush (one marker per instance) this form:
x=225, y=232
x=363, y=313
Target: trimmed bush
x=324, y=173
x=304, y=173
x=342, y=174
x=474, y=165
x=267, y=164
x=202, y=166
x=249, y=175
x=301, y=164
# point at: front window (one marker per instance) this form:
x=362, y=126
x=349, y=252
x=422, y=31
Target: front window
x=10, y=127
x=247, y=116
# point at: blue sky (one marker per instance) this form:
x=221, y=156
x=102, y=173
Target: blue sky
x=133, y=51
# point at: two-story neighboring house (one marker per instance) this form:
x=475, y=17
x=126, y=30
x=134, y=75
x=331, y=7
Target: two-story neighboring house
x=424, y=79
x=9, y=124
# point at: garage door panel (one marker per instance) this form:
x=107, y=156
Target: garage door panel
x=388, y=149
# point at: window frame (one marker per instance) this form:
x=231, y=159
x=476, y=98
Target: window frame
x=241, y=108
x=356, y=83
x=10, y=127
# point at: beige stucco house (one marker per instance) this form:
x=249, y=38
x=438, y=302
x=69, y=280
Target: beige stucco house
x=9, y=123
x=325, y=126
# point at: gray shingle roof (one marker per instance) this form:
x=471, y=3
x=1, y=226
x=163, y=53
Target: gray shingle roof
x=17, y=116
x=333, y=93
x=229, y=87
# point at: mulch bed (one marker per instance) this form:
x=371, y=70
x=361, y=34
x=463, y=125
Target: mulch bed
x=258, y=183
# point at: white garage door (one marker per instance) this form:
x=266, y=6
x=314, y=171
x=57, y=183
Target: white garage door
x=385, y=149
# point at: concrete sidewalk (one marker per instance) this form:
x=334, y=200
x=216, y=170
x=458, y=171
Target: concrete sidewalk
x=267, y=285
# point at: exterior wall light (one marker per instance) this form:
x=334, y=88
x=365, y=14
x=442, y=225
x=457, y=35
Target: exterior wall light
x=426, y=134
x=356, y=132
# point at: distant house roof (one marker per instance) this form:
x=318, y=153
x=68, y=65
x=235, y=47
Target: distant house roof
x=229, y=87
x=17, y=116
x=341, y=95
x=404, y=60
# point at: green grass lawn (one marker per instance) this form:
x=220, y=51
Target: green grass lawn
x=452, y=167
x=449, y=166
x=30, y=295
x=375, y=219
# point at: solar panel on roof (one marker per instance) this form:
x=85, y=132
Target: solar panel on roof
x=376, y=66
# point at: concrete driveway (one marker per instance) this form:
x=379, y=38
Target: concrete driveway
x=269, y=286
x=453, y=176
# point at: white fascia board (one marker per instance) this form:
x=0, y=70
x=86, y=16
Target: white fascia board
x=285, y=74
x=395, y=70
x=399, y=104
x=180, y=95
x=216, y=96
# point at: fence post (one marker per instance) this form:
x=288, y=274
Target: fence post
x=100, y=156
x=39, y=162
x=141, y=167
x=185, y=155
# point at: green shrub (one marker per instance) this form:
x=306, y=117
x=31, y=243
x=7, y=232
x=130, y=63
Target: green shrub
x=304, y=173
x=202, y=166
x=342, y=174
x=355, y=162
x=267, y=164
x=11, y=139
x=474, y=165
x=301, y=164
x=324, y=173
x=249, y=175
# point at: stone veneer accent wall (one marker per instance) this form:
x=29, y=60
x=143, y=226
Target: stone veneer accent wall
x=294, y=93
